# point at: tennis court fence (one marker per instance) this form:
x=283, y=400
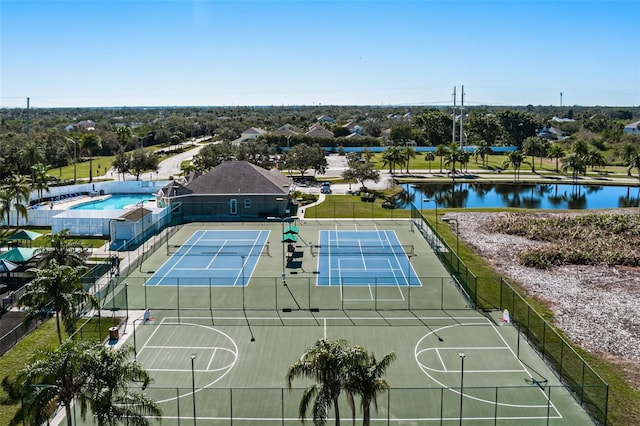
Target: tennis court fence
x=395, y=406
x=588, y=388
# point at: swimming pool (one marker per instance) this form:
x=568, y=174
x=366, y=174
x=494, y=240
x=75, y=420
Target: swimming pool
x=115, y=202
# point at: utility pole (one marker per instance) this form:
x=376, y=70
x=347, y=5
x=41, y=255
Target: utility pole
x=454, y=115
x=461, y=116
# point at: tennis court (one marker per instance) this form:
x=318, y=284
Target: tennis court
x=218, y=353
x=351, y=258
x=226, y=257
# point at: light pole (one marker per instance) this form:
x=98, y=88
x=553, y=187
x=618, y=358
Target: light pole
x=135, y=348
x=193, y=386
x=435, y=202
x=75, y=157
x=450, y=219
x=461, y=355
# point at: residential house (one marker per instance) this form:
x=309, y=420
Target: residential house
x=325, y=119
x=632, y=128
x=317, y=131
x=354, y=127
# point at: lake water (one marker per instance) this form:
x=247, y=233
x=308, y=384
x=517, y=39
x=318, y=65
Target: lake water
x=528, y=196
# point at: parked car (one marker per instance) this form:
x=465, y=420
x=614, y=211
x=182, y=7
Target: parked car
x=325, y=188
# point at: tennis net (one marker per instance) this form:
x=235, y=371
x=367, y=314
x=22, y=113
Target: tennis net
x=362, y=249
x=228, y=249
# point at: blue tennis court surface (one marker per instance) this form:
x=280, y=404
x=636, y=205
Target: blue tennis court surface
x=217, y=258
x=364, y=258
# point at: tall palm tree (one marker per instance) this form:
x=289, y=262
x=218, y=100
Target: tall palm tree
x=483, y=150
x=441, y=151
x=391, y=157
x=515, y=160
x=63, y=250
x=534, y=146
x=365, y=378
x=5, y=205
x=574, y=162
x=40, y=181
x=429, y=157
x=18, y=186
x=53, y=378
x=91, y=143
x=123, y=135
x=31, y=154
x=455, y=155
x=58, y=287
x=407, y=154
x=109, y=392
x=595, y=159
x=556, y=151
x=323, y=363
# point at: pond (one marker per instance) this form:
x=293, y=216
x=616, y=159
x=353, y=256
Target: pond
x=526, y=196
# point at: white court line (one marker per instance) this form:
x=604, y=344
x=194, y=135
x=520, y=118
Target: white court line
x=213, y=354
x=493, y=403
x=444, y=367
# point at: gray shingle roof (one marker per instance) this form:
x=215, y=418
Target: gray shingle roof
x=234, y=177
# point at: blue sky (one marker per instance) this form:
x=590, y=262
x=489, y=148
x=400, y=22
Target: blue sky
x=298, y=52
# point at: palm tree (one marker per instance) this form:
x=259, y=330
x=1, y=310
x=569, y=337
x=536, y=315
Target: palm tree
x=5, y=204
x=455, y=155
x=31, y=154
x=534, y=146
x=574, y=162
x=365, y=378
x=429, y=157
x=40, y=181
x=323, y=363
x=441, y=151
x=63, y=250
x=634, y=163
x=407, y=154
x=53, y=378
x=391, y=157
x=123, y=135
x=19, y=190
x=59, y=288
x=595, y=159
x=91, y=143
x=109, y=392
x=483, y=150
x=515, y=160
x=556, y=151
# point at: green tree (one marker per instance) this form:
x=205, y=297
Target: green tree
x=30, y=155
x=5, y=205
x=407, y=153
x=40, y=180
x=110, y=390
x=534, y=146
x=455, y=155
x=54, y=377
x=142, y=161
x=575, y=163
x=401, y=134
x=123, y=134
x=19, y=192
x=482, y=125
x=441, y=151
x=517, y=125
x=361, y=172
x=303, y=157
x=324, y=364
x=429, y=157
x=63, y=250
x=58, y=287
x=391, y=156
x=91, y=143
x=122, y=163
x=595, y=159
x=435, y=125
x=483, y=150
x=365, y=377
x=515, y=160
x=556, y=151
x=634, y=163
